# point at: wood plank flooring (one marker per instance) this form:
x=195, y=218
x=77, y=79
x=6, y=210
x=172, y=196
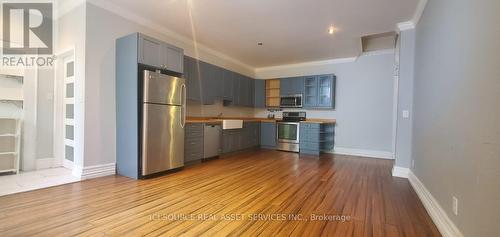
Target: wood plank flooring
x=255, y=193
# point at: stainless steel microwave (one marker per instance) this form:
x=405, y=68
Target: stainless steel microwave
x=291, y=101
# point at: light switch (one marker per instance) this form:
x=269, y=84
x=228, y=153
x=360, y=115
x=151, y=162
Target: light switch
x=406, y=113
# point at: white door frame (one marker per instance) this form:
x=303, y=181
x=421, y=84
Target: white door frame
x=60, y=122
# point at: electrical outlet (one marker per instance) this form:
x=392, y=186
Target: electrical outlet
x=406, y=113
x=455, y=206
x=413, y=164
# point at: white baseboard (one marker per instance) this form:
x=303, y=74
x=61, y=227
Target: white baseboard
x=363, y=153
x=90, y=172
x=400, y=172
x=68, y=164
x=437, y=213
x=46, y=163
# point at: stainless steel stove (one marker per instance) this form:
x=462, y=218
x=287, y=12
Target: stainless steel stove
x=289, y=130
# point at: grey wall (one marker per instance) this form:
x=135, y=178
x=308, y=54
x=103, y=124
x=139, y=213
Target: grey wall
x=456, y=130
x=45, y=114
x=405, y=97
x=364, y=103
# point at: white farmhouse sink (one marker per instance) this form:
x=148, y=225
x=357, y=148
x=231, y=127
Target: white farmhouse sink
x=232, y=124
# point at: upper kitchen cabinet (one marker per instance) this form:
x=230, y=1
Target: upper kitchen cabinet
x=228, y=80
x=260, y=93
x=319, y=92
x=326, y=91
x=292, y=86
x=193, y=82
x=161, y=55
x=207, y=83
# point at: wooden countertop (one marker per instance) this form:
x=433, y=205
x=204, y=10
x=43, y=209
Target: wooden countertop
x=247, y=119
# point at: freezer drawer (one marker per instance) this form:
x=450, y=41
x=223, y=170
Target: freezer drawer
x=163, y=138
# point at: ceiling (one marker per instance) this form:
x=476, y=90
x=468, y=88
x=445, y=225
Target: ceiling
x=292, y=31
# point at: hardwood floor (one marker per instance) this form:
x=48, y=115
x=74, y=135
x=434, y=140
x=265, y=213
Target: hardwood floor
x=241, y=188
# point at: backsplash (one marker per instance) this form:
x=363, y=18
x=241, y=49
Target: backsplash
x=198, y=110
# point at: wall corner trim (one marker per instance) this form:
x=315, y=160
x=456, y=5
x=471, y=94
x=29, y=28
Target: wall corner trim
x=401, y=172
x=444, y=224
x=363, y=153
x=95, y=171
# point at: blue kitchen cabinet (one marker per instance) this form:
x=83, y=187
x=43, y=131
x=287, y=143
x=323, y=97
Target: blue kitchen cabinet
x=193, y=142
x=207, y=83
x=236, y=89
x=193, y=82
x=326, y=91
x=319, y=91
x=217, y=75
x=310, y=92
x=228, y=80
x=250, y=92
x=153, y=52
x=291, y=86
x=316, y=138
x=268, y=135
x=260, y=93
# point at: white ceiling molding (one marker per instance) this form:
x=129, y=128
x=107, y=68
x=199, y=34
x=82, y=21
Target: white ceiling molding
x=160, y=29
x=411, y=24
x=420, y=10
x=407, y=25
x=300, y=69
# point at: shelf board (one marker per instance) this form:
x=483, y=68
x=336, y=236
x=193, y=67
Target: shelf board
x=8, y=153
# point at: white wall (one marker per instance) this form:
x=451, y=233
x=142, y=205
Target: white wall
x=364, y=101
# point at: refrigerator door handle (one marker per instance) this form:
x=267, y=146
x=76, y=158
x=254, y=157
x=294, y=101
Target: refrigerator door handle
x=183, y=105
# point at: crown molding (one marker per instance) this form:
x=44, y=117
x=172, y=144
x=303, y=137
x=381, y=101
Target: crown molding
x=129, y=15
x=420, y=10
x=411, y=24
x=407, y=25
x=307, y=64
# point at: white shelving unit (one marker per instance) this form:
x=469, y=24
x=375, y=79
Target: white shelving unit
x=10, y=141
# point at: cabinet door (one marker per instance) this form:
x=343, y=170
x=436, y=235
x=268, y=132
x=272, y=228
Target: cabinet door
x=236, y=89
x=207, y=85
x=173, y=58
x=217, y=75
x=325, y=94
x=268, y=134
x=286, y=87
x=192, y=79
x=228, y=84
x=310, y=92
x=150, y=51
x=297, y=84
x=251, y=92
x=260, y=93
x=243, y=95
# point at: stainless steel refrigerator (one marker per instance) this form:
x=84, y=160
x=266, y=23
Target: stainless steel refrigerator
x=163, y=121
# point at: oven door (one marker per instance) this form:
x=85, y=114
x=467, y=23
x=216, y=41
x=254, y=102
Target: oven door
x=288, y=132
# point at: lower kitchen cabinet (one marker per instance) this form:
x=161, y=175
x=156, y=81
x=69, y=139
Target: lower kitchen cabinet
x=240, y=139
x=268, y=135
x=316, y=138
x=193, y=142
